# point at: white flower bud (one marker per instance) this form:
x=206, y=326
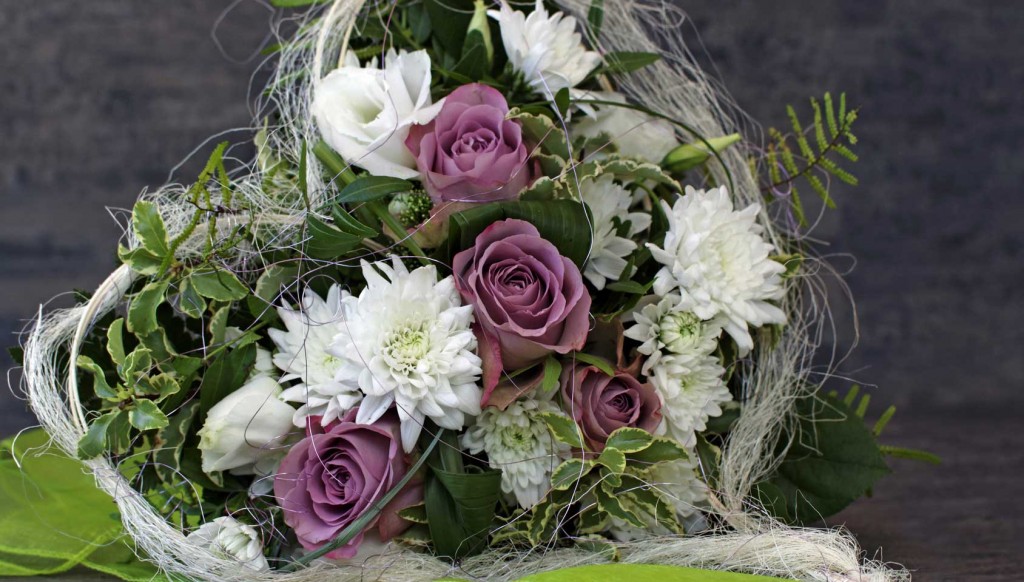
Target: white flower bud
x=230, y=538
x=245, y=427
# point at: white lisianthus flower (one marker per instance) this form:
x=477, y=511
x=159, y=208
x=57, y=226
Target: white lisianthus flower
x=716, y=256
x=246, y=428
x=364, y=113
x=407, y=341
x=692, y=390
x=302, y=355
x=231, y=538
x=669, y=326
x=609, y=202
x=519, y=444
x=635, y=134
x=545, y=48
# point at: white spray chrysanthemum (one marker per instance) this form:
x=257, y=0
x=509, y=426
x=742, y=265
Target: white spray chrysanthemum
x=407, y=341
x=692, y=390
x=716, y=255
x=545, y=48
x=669, y=326
x=231, y=538
x=519, y=444
x=633, y=133
x=302, y=354
x=609, y=204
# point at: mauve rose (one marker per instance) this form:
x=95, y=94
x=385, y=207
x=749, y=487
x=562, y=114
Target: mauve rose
x=332, y=476
x=470, y=152
x=601, y=404
x=528, y=299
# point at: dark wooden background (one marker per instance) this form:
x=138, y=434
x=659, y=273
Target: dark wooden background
x=99, y=99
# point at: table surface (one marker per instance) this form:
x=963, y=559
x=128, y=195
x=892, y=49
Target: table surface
x=101, y=99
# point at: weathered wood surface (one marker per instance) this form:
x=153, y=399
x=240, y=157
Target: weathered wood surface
x=100, y=99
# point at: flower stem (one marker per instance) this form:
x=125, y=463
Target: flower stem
x=398, y=230
x=360, y=524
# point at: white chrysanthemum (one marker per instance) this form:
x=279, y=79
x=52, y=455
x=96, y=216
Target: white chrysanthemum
x=545, y=48
x=635, y=134
x=716, y=255
x=692, y=390
x=609, y=202
x=669, y=326
x=231, y=538
x=302, y=354
x=406, y=340
x=518, y=443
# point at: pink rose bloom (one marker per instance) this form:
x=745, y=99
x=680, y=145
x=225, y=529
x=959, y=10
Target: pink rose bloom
x=602, y=404
x=334, y=475
x=470, y=152
x=528, y=299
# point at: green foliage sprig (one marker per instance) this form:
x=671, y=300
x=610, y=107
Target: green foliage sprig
x=833, y=138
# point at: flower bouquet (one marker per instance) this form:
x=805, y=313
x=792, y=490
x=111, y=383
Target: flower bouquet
x=502, y=289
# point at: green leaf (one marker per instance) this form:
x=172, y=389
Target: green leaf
x=631, y=287
x=268, y=288
x=629, y=440
x=612, y=459
x=137, y=363
x=172, y=438
x=17, y=354
x=349, y=225
x=190, y=302
x=219, y=325
x=219, y=285
x=562, y=101
x=140, y=260
x=659, y=450
x=550, y=379
x=611, y=505
x=626, y=61
x=149, y=229
x=145, y=415
x=94, y=442
x=595, y=17
x=460, y=505
x=415, y=514
x=226, y=374
x=142, y=308
x=570, y=472
x=100, y=387
x=450, y=21
x=115, y=341
x=328, y=243
x=564, y=429
x=54, y=518
x=474, y=64
x=598, y=362
x=369, y=188
x=709, y=457
x=832, y=461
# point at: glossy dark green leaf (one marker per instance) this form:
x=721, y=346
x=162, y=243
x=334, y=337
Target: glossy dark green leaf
x=832, y=461
x=369, y=188
x=627, y=62
x=460, y=509
x=226, y=374
x=328, y=243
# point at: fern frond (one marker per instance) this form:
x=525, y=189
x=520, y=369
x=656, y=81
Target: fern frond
x=833, y=138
